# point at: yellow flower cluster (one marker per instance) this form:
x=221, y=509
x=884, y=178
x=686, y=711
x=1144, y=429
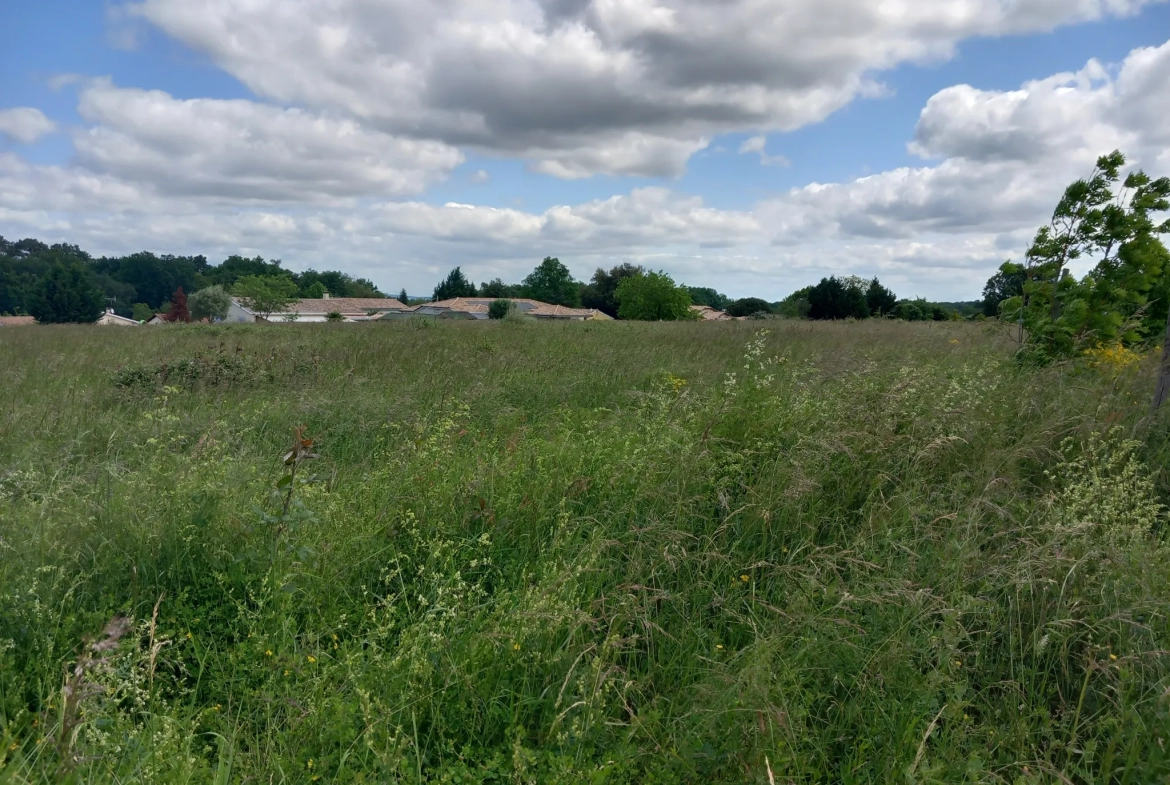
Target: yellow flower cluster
x=1112, y=357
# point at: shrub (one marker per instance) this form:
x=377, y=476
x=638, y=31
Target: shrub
x=500, y=308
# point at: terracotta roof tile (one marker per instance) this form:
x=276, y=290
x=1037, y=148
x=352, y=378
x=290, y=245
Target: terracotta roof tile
x=16, y=321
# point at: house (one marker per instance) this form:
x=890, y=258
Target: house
x=109, y=318
x=17, y=321
x=477, y=308
x=709, y=314
x=158, y=318
x=352, y=309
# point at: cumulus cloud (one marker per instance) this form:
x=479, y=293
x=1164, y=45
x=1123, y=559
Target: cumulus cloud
x=245, y=150
x=580, y=87
x=995, y=162
x=25, y=124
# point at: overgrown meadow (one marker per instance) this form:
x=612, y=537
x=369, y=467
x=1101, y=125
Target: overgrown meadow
x=578, y=553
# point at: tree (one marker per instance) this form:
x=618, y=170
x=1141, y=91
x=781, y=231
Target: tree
x=499, y=309
x=334, y=316
x=402, y=297
x=601, y=292
x=315, y=291
x=879, y=300
x=497, y=288
x=835, y=298
x=653, y=297
x=749, y=306
x=454, y=285
x=795, y=305
x=1057, y=315
x=179, y=311
x=67, y=294
x=551, y=282
x=708, y=297
x=142, y=312
x=211, y=304
x=1002, y=286
x=266, y=295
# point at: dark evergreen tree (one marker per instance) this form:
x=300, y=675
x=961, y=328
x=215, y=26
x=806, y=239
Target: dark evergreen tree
x=67, y=293
x=834, y=298
x=454, y=285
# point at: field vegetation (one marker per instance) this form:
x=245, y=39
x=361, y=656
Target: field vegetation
x=514, y=552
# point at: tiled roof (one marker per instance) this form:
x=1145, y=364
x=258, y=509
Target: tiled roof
x=16, y=321
x=344, y=305
x=534, y=307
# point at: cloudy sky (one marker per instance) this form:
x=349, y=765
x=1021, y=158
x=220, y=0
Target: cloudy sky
x=749, y=145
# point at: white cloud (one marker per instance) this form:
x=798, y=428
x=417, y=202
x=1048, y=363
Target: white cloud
x=580, y=87
x=25, y=124
x=998, y=161
x=479, y=177
x=758, y=145
x=245, y=150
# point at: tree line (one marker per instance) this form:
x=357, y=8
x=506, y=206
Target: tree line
x=62, y=282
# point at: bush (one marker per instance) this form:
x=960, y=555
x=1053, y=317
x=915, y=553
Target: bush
x=500, y=308
x=334, y=316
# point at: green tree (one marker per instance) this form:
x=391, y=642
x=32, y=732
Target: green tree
x=601, y=291
x=266, y=295
x=454, y=285
x=1057, y=315
x=334, y=316
x=710, y=297
x=403, y=297
x=142, y=312
x=499, y=309
x=211, y=303
x=837, y=298
x=551, y=282
x=1002, y=286
x=749, y=306
x=67, y=293
x=653, y=297
x=314, y=291
x=879, y=300
x=795, y=305
x=497, y=288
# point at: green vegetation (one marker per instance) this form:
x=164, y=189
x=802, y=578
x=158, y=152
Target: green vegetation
x=652, y=297
x=265, y=295
x=67, y=293
x=211, y=303
x=1123, y=299
x=579, y=553
x=499, y=309
x=551, y=282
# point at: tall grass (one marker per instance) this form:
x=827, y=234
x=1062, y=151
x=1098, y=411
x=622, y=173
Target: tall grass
x=584, y=553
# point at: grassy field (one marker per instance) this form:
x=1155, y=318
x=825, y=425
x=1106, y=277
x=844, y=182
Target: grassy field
x=580, y=553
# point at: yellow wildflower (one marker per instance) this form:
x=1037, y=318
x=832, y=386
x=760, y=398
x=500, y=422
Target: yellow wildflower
x=1113, y=656
x=311, y=658
x=744, y=578
x=718, y=645
x=515, y=647
x=268, y=653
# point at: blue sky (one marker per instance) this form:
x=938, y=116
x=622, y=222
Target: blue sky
x=599, y=133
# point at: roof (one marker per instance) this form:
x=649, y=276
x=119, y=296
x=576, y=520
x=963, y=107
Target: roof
x=16, y=321
x=344, y=305
x=709, y=314
x=525, y=305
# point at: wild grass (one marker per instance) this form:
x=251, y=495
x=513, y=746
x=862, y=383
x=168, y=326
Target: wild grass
x=585, y=553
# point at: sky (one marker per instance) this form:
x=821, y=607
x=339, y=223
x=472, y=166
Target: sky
x=753, y=146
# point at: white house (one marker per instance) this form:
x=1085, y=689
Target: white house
x=109, y=318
